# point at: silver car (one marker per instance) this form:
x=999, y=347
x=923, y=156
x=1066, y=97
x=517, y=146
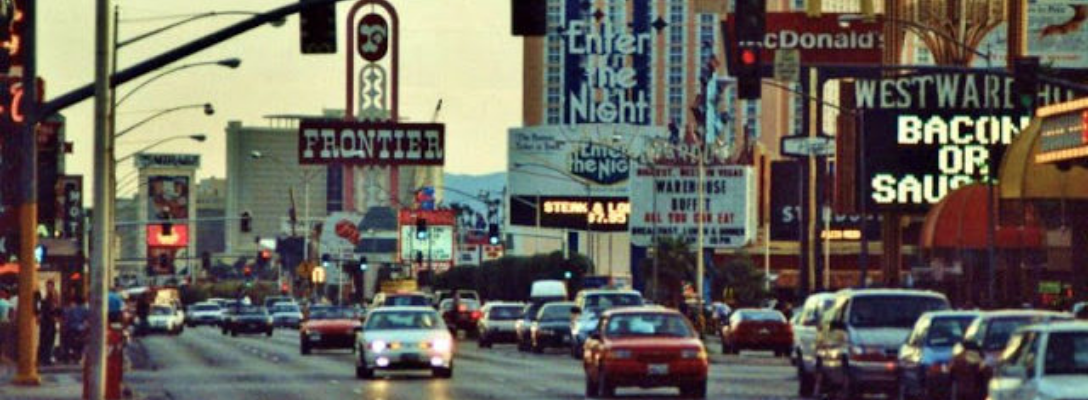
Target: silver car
x=400, y=338
x=497, y=323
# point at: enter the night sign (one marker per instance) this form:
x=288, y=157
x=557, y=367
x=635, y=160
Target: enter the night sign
x=607, y=77
x=928, y=134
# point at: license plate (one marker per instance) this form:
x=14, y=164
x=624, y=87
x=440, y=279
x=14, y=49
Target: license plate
x=658, y=369
x=764, y=332
x=410, y=357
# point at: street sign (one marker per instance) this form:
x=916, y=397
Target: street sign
x=787, y=65
x=807, y=146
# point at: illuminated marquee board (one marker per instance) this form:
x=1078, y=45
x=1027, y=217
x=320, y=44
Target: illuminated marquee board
x=928, y=134
x=1064, y=132
x=600, y=214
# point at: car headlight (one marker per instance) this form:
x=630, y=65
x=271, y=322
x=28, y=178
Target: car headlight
x=442, y=345
x=619, y=354
x=693, y=354
x=378, y=346
x=866, y=350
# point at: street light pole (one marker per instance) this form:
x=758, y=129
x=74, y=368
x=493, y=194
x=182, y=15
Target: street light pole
x=96, y=351
x=699, y=262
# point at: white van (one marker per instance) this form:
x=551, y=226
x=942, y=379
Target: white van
x=548, y=290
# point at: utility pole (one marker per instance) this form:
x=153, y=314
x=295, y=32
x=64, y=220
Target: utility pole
x=26, y=163
x=103, y=142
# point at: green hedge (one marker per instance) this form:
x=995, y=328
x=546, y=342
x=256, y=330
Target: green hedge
x=228, y=289
x=510, y=278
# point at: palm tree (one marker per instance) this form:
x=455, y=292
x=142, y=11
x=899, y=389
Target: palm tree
x=675, y=265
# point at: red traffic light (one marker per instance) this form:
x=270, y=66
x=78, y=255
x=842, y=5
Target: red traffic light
x=748, y=56
x=247, y=270
x=266, y=254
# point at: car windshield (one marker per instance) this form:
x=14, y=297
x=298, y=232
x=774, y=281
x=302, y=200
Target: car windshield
x=647, y=324
x=1067, y=354
x=332, y=313
x=161, y=310
x=1000, y=330
x=504, y=313
x=891, y=311
x=407, y=301
x=403, y=320
x=556, y=313
x=205, y=307
x=947, y=331
x=285, y=308
x=762, y=315
x=608, y=301
x=532, y=310
x=251, y=310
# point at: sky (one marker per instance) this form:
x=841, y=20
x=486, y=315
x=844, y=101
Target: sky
x=460, y=51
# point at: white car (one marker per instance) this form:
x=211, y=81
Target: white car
x=397, y=338
x=805, y=324
x=286, y=315
x=496, y=325
x=204, y=314
x=1044, y=362
x=166, y=319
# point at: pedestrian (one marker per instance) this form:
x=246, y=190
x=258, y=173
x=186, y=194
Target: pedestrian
x=5, y=306
x=143, y=310
x=74, y=328
x=47, y=318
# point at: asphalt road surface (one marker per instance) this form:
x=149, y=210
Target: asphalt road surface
x=203, y=364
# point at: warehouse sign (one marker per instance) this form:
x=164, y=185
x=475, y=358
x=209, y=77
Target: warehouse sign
x=929, y=134
x=665, y=203
x=370, y=143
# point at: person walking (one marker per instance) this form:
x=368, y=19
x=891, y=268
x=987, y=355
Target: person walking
x=143, y=311
x=47, y=318
x=74, y=329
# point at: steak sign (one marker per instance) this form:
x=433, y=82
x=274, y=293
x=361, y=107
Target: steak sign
x=370, y=143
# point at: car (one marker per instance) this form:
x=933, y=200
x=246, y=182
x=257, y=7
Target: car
x=976, y=356
x=522, y=326
x=464, y=317
x=804, y=325
x=589, y=304
x=857, y=345
x=1080, y=310
x=924, y=360
x=206, y=313
x=551, y=328
x=645, y=347
x=286, y=315
x=329, y=328
x=164, y=318
x=251, y=319
x=757, y=329
x=442, y=295
x=273, y=300
x=401, y=337
x=497, y=323
x=415, y=299
x=1043, y=362
x=230, y=311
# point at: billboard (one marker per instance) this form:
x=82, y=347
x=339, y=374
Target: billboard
x=665, y=204
x=167, y=196
x=1063, y=135
x=436, y=249
x=818, y=39
x=582, y=161
x=597, y=214
x=607, y=58
x=370, y=143
x=69, y=206
x=928, y=134
x=146, y=160
x=787, y=184
x=178, y=237
x=1056, y=33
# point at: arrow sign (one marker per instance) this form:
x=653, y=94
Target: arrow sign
x=808, y=146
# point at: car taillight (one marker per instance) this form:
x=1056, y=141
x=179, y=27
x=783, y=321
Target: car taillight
x=476, y=315
x=461, y=308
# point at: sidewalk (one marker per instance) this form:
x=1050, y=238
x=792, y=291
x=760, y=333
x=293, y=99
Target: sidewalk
x=58, y=382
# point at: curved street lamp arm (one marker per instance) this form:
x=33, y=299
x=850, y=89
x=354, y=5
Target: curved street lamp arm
x=157, y=76
x=167, y=27
x=148, y=147
x=156, y=115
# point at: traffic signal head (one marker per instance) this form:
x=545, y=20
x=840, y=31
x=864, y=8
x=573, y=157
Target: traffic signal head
x=317, y=29
x=206, y=260
x=493, y=234
x=567, y=275
x=421, y=228
x=247, y=271
x=750, y=27
x=245, y=221
x=363, y=266
x=1026, y=81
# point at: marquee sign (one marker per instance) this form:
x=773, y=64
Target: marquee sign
x=666, y=204
x=1063, y=135
x=168, y=160
x=928, y=134
x=598, y=214
x=370, y=143
x=819, y=40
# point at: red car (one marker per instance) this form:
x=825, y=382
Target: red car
x=644, y=347
x=974, y=358
x=328, y=328
x=757, y=329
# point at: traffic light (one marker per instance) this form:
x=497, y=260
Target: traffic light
x=419, y=257
x=246, y=220
x=528, y=17
x=493, y=234
x=264, y=257
x=1025, y=82
x=167, y=226
x=317, y=29
x=567, y=275
x=363, y=266
x=247, y=271
x=206, y=260
x=421, y=228
x=750, y=19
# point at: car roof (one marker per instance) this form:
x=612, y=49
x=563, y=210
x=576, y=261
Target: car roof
x=641, y=310
x=402, y=308
x=1013, y=313
x=588, y=292
x=954, y=313
x=1064, y=326
x=559, y=304
x=888, y=292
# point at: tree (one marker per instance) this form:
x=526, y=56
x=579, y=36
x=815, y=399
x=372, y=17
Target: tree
x=675, y=266
x=740, y=276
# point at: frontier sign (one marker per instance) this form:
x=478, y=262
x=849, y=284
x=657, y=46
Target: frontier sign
x=370, y=143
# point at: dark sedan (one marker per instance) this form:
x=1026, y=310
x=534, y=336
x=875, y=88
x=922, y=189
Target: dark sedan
x=251, y=319
x=552, y=326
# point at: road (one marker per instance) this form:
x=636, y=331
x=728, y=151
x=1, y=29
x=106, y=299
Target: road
x=203, y=364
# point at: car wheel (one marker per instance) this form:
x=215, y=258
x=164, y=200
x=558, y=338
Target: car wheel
x=849, y=389
x=443, y=373
x=574, y=353
x=537, y=347
x=605, y=388
x=268, y=333
x=522, y=346
x=820, y=385
x=234, y=333
x=806, y=381
x=592, y=391
x=694, y=391
x=304, y=347
x=361, y=371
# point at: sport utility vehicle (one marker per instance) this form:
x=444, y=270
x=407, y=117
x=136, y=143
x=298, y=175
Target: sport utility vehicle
x=857, y=345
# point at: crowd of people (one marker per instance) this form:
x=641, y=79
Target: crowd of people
x=53, y=315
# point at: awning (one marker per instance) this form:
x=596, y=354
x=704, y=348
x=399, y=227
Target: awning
x=961, y=221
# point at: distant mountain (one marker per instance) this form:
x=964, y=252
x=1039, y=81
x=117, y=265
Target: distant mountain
x=473, y=184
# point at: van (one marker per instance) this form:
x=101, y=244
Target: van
x=544, y=291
